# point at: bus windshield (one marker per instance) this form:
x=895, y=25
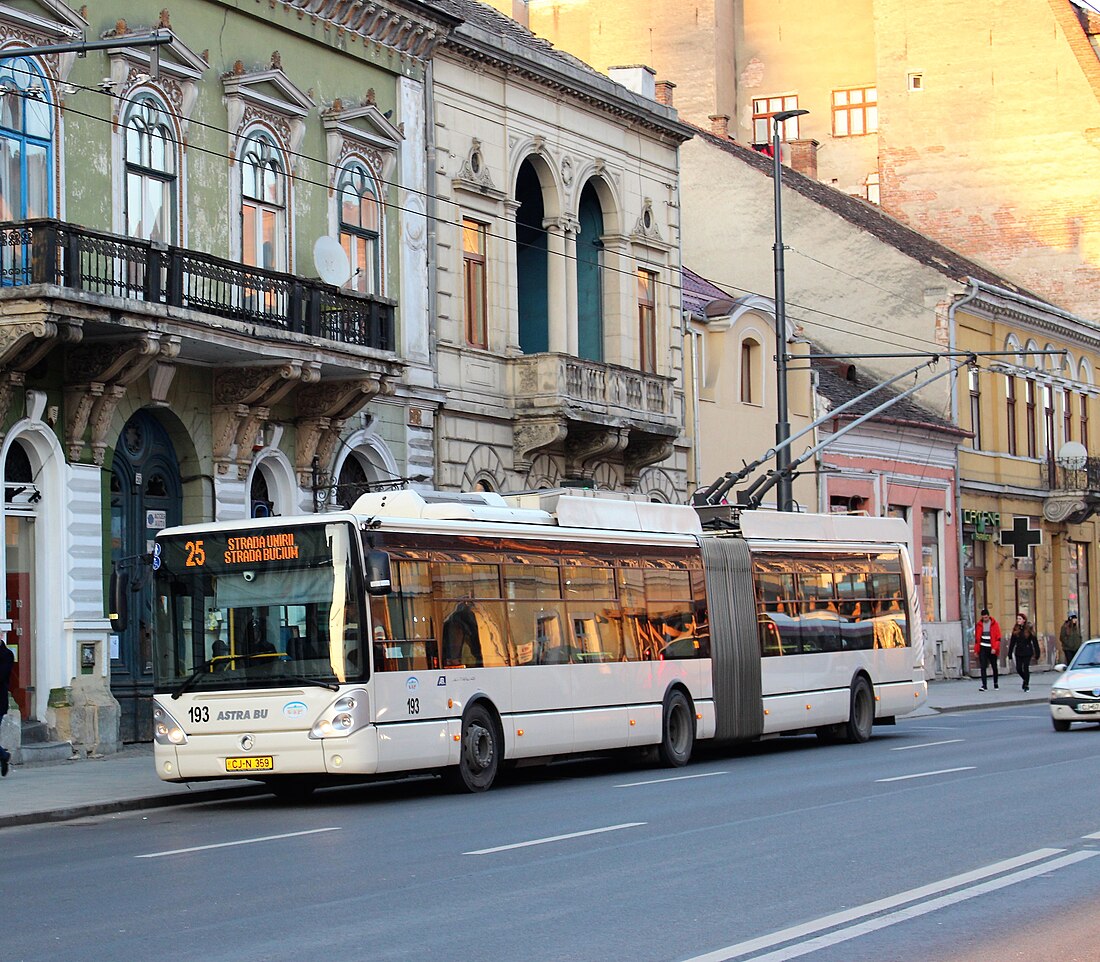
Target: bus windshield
x=257, y=608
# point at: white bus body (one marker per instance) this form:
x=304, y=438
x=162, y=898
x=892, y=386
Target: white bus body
x=518, y=631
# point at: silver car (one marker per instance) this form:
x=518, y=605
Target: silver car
x=1075, y=697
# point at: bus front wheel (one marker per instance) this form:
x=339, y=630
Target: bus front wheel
x=480, y=752
x=677, y=732
x=862, y=715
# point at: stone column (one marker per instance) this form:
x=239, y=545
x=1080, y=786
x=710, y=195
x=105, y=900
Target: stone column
x=556, y=278
x=571, y=229
x=510, y=269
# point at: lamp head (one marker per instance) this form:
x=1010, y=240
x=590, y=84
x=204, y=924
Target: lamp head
x=784, y=115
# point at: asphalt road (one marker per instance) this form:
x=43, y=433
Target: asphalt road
x=960, y=837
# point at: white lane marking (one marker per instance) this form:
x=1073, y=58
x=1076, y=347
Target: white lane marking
x=243, y=841
x=942, y=771
x=924, y=908
x=931, y=728
x=1093, y=835
x=554, y=838
x=948, y=741
x=881, y=905
x=674, y=778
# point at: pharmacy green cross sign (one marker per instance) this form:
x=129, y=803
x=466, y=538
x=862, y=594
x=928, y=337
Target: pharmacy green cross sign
x=1022, y=537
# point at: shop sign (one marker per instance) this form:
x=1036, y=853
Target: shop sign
x=982, y=522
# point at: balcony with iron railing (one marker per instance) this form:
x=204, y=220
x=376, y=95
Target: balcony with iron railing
x=1073, y=476
x=52, y=252
x=1073, y=489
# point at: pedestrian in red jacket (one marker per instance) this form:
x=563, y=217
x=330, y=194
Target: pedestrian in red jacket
x=987, y=645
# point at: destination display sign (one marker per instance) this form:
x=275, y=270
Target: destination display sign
x=218, y=552
x=260, y=548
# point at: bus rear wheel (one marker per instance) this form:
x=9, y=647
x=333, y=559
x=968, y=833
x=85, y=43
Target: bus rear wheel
x=479, y=756
x=677, y=731
x=861, y=718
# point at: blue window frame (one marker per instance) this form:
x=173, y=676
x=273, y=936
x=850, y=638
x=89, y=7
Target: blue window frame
x=26, y=142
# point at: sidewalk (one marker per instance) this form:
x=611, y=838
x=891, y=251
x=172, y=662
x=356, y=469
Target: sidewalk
x=128, y=782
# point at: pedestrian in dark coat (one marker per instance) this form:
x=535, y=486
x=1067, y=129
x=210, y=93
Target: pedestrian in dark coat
x=1070, y=637
x=7, y=663
x=1023, y=646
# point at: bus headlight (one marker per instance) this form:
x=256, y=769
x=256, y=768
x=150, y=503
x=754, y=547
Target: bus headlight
x=345, y=715
x=166, y=730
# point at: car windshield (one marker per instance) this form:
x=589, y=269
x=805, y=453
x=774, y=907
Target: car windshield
x=1088, y=656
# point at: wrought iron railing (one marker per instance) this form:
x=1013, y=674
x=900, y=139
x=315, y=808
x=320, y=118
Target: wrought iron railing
x=53, y=252
x=1074, y=477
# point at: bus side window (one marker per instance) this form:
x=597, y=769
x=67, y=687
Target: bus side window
x=778, y=614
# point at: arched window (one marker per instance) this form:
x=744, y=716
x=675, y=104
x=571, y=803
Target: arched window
x=361, y=227
x=752, y=389
x=263, y=203
x=531, y=263
x=151, y=164
x=589, y=280
x=26, y=142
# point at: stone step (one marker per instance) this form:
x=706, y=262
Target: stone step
x=35, y=732
x=42, y=753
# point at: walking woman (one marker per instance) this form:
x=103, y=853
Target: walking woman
x=1023, y=646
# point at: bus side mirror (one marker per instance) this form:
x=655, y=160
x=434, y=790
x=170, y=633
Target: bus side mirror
x=118, y=600
x=378, y=572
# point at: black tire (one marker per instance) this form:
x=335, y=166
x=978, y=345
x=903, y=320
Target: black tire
x=292, y=789
x=677, y=731
x=480, y=753
x=861, y=716
x=1060, y=724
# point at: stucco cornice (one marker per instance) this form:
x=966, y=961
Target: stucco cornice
x=1003, y=305
x=501, y=53
x=407, y=26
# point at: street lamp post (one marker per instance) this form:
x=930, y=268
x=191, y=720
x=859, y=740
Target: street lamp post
x=782, y=425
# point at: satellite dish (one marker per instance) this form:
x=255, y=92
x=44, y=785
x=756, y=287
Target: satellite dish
x=1073, y=455
x=331, y=261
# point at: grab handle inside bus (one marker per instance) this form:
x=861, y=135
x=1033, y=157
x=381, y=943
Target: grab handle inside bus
x=378, y=572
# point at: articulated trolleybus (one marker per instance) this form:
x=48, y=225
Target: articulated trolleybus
x=461, y=632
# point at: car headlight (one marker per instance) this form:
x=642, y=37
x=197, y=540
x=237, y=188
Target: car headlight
x=1056, y=692
x=345, y=715
x=166, y=730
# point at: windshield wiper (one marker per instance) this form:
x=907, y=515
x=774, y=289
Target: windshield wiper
x=205, y=668
x=302, y=680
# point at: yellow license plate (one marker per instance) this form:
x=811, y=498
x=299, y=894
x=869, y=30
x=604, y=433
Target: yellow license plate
x=258, y=763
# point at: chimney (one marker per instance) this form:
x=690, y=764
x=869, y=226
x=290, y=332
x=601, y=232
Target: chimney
x=664, y=90
x=636, y=77
x=804, y=157
x=720, y=125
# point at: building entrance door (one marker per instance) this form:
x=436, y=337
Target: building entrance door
x=19, y=580
x=145, y=497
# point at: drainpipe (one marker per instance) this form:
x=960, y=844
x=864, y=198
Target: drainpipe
x=695, y=340
x=430, y=237
x=816, y=412
x=964, y=620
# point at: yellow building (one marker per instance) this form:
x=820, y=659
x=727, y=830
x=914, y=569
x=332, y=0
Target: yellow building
x=1028, y=501
x=730, y=387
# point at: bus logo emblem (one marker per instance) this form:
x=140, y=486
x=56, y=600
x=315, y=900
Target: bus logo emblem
x=294, y=709
x=412, y=684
